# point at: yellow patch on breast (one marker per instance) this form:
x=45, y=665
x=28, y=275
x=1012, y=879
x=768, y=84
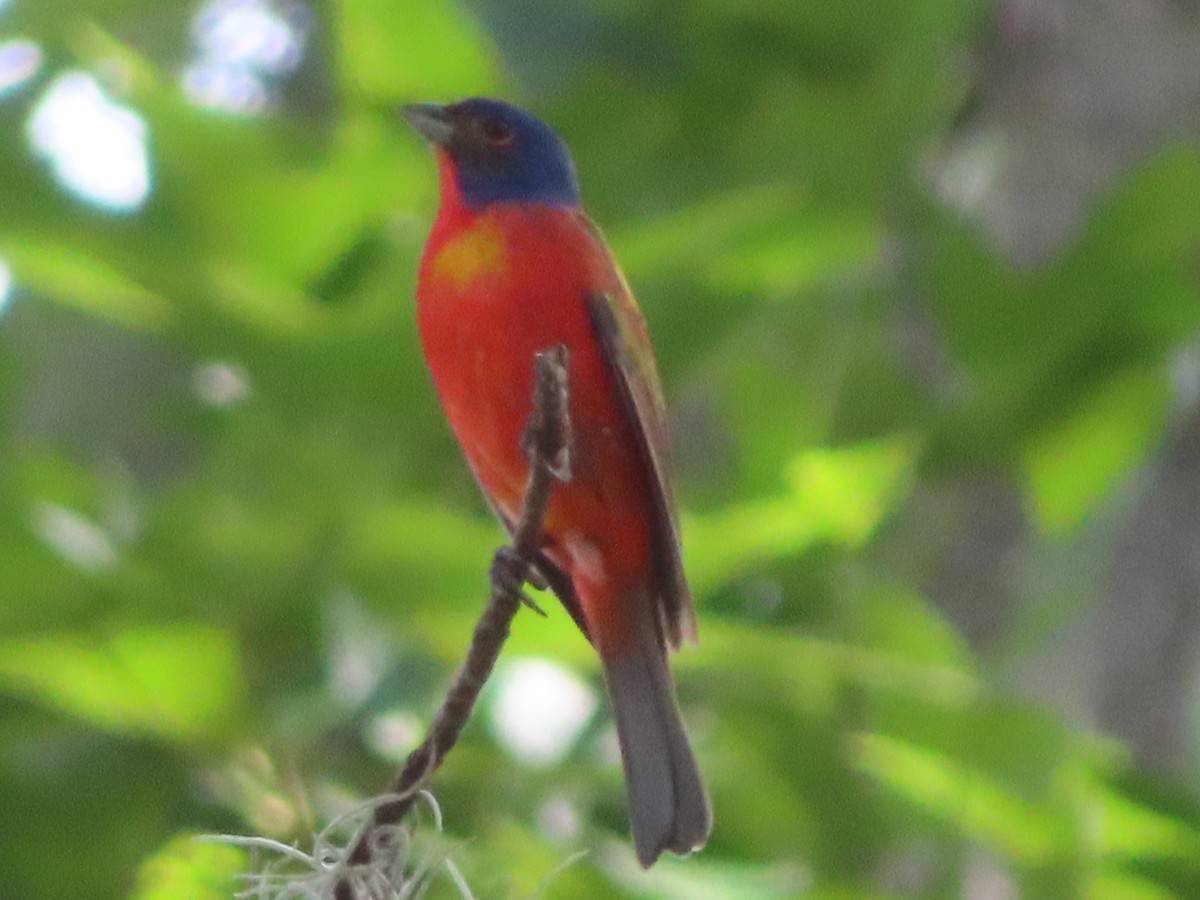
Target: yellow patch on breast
x=478, y=252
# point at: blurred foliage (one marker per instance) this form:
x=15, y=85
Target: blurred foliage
x=212, y=602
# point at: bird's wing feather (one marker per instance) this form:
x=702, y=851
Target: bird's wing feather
x=625, y=344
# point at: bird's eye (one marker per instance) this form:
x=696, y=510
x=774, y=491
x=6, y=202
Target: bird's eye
x=498, y=133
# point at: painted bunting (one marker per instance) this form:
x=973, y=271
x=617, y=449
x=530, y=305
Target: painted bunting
x=513, y=266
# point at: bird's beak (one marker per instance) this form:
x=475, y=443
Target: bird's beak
x=430, y=121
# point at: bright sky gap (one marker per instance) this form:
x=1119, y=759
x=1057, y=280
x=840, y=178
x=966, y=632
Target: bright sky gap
x=95, y=147
x=6, y=286
x=20, y=60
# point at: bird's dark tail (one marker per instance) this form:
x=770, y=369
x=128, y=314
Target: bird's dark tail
x=668, y=806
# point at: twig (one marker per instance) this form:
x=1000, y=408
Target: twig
x=546, y=444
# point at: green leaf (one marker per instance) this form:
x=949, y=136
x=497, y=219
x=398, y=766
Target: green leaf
x=803, y=255
x=1127, y=831
x=181, y=683
x=969, y=799
x=1124, y=886
x=832, y=496
x=893, y=620
x=187, y=868
x=1073, y=464
x=419, y=49
x=75, y=278
x=698, y=234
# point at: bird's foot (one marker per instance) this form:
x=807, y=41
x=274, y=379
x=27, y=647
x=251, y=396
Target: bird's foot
x=509, y=573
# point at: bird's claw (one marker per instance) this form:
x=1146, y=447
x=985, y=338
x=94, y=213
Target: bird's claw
x=509, y=573
x=529, y=602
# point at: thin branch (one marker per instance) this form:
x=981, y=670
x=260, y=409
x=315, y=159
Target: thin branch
x=546, y=444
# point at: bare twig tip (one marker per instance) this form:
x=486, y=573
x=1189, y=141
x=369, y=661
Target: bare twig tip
x=547, y=440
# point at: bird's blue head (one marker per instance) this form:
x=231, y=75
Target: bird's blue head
x=500, y=153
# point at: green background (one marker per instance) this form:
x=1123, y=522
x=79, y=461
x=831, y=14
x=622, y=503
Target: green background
x=209, y=608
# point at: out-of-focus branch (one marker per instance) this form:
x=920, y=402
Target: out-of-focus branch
x=547, y=446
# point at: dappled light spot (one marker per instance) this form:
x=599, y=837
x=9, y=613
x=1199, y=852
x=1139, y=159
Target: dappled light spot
x=266, y=36
x=558, y=819
x=225, y=87
x=77, y=540
x=221, y=384
x=762, y=598
x=394, y=734
x=252, y=783
x=358, y=651
x=539, y=710
x=608, y=746
x=96, y=148
x=243, y=47
x=6, y=286
x=965, y=175
x=20, y=60
x=1184, y=369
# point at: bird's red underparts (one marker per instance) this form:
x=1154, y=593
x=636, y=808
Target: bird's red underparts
x=496, y=285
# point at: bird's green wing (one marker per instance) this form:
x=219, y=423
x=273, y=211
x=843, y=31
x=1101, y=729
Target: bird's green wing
x=621, y=333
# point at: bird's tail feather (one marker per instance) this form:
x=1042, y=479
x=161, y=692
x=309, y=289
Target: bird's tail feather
x=668, y=806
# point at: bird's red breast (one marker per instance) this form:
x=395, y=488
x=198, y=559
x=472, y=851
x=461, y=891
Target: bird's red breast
x=496, y=285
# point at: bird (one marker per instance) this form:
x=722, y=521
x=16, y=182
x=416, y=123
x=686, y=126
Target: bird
x=512, y=266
